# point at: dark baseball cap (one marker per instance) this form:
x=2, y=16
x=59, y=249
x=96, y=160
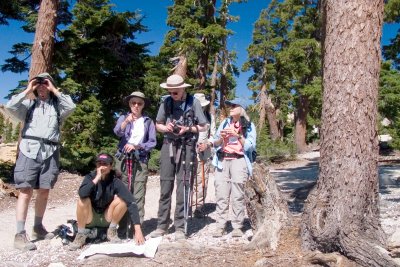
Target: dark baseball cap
x=104, y=157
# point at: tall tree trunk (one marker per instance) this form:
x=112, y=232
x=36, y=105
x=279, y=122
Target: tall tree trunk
x=213, y=86
x=301, y=123
x=267, y=110
x=342, y=212
x=43, y=45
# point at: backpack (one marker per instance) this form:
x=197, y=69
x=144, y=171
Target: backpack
x=29, y=113
x=188, y=112
x=246, y=127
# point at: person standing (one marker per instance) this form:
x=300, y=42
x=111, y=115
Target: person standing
x=203, y=158
x=103, y=200
x=235, y=140
x=180, y=118
x=37, y=165
x=137, y=138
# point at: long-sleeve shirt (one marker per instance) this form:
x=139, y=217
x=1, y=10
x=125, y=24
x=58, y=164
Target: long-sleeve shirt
x=43, y=124
x=249, y=144
x=102, y=194
x=149, y=139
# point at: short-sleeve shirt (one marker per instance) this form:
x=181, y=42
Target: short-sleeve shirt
x=177, y=112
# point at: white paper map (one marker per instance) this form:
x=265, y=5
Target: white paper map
x=148, y=249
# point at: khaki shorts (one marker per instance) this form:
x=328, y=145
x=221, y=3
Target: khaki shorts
x=98, y=220
x=36, y=173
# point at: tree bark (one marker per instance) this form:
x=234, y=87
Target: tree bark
x=266, y=207
x=342, y=212
x=213, y=86
x=301, y=123
x=181, y=67
x=43, y=45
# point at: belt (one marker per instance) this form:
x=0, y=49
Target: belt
x=232, y=155
x=42, y=140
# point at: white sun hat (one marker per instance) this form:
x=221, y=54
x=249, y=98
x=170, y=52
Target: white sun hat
x=202, y=98
x=174, y=81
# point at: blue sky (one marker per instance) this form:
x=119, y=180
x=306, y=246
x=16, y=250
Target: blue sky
x=155, y=12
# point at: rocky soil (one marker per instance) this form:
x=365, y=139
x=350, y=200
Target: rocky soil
x=200, y=248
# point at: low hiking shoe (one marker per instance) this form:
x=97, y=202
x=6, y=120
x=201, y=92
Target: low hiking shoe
x=22, y=242
x=158, y=232
x=40, y=233
x=237, y=233
x=79, y=241
x=180, y=235
x=218, y=232
x=112, y=235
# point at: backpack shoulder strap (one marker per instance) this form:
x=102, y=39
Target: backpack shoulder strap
x=168, y=107
x=29, y=113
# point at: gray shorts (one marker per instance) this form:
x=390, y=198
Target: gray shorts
x=36, y=173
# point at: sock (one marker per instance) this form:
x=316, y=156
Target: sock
x=38, y=221
x=83, y=231
x=113, y=225
x=20, y=226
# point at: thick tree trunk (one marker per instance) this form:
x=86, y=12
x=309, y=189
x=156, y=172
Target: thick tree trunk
x=301, y=123
x=43, y=45
x=272, y=120
x=342, y=212
x=266, y=207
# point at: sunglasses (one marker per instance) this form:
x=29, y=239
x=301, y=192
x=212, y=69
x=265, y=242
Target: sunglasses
x=136, y=103
x=173, y=93
x=233, y=106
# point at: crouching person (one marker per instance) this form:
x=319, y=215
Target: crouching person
x=103, y=200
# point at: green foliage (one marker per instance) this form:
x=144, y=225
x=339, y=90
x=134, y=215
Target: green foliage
x=2, y=124
x=6, y=171
x=278, y=150
x=392, y=11
x=15, y=135
x=388, y=102
x=154, y=162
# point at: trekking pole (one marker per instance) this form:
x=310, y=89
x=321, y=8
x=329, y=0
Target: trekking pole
x=185, y=200
x=203, y=182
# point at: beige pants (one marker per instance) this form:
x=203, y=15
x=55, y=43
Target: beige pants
x=198, y=186
x=229, y=189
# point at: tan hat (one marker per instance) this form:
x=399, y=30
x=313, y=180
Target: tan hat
x=136, y=94
x=202, y=98
x=174, y=81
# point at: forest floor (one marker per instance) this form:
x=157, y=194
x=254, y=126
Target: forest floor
x=293, y=177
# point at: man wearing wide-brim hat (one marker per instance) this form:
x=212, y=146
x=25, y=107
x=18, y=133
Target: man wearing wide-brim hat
x=137, y=138
x=180, y=118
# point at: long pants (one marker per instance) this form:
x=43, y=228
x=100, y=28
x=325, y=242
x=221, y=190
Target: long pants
x=229, y=189
x=139, y=192
x=198, y=187
x=170, y=170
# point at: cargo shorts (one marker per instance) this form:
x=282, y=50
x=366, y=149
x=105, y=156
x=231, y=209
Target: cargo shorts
x=36, y=173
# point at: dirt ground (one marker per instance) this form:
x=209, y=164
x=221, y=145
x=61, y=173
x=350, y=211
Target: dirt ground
x=199, y=249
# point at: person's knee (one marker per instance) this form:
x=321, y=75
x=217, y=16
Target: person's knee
x=84, y=203
x=118, y=201
x=25, y=193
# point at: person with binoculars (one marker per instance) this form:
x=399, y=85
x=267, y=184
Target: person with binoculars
x=38, y=158
x=180, y=118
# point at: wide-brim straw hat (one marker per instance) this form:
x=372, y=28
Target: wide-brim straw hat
x=202, y=98
x=137, y=94
x=174, y=81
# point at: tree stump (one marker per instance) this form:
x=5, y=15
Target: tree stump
x=267, y=209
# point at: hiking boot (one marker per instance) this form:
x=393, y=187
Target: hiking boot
x=237, y=233
x=22, y=242
x=79, y=241
x=198, y=213
x=112, y=235
x=40, y=233
x=158, y=232
x=180, y=235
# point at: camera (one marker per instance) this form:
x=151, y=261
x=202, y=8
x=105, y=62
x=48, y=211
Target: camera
x=176, y=128
x=40, y=80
